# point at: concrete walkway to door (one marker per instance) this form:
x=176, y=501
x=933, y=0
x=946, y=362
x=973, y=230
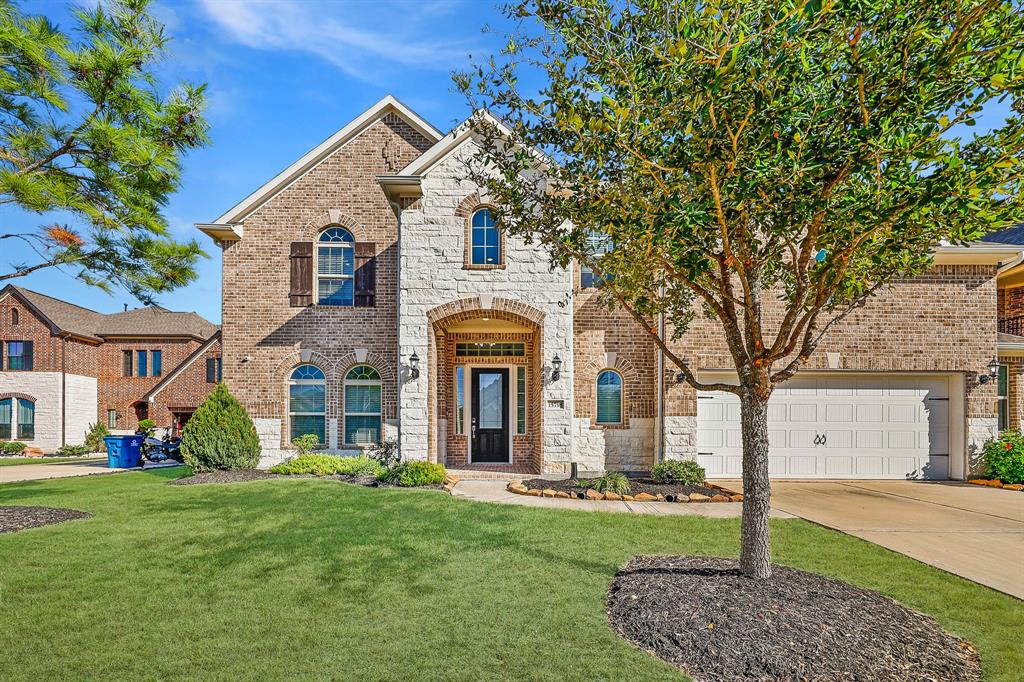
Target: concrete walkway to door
x=974, y=532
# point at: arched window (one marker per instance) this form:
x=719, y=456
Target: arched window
x=17, y=419
x=609, y=397
x=485, y=242
x=335, y=267
x=14, y=316
x=306, y=402
x=362, y=406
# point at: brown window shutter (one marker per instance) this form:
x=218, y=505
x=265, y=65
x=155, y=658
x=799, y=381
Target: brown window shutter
x=301, y=292
x=366, y=274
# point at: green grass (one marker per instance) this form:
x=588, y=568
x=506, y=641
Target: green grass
x=318, y=579
x=15, y=461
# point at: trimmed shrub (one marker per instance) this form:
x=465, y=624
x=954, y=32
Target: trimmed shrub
x=220, y=435
x=94, y=437
x=12, y=447
x=329, y=465
x=73, y=450
x=386, y=453
x=611, y=482
x=147, y=426
x=306, y=444
x=683, y=471
x=1004, y=457
x=414, y=473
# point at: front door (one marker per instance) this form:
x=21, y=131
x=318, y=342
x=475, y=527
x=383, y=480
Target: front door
x=489, y=428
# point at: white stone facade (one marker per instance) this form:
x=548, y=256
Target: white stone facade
x=65, y=405
x=432, y=252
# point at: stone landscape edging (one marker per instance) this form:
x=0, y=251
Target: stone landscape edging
x=996, y=483
x=591, y=495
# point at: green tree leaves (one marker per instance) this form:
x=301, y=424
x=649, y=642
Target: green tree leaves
x=85, y=130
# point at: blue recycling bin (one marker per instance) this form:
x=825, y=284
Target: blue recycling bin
x=123, y=452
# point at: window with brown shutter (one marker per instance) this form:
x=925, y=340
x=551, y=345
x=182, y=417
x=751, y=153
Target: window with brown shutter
x=301, y=292
x=366, y=274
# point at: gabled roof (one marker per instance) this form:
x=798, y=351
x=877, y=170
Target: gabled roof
x=1009, y=235
x=221, y=228
x=425, y=161
x=176, y=372
x=151, y=321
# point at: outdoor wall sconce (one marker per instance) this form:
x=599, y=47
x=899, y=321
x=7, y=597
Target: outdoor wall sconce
x=414, y=365
x=556, y=368
x=993, y=372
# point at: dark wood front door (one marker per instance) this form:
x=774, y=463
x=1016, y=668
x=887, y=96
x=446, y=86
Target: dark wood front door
x=489, y=428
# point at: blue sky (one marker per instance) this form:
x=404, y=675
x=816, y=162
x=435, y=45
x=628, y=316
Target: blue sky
x=282, y=76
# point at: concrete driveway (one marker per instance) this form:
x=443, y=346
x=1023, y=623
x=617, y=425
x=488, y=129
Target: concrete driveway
x=42, y=471
x=974, y=532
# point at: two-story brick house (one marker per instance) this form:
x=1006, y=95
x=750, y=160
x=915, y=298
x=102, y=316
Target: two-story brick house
x=65, y=367
x=368, y=294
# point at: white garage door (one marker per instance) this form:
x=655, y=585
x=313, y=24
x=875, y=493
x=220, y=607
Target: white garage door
x=837, y=426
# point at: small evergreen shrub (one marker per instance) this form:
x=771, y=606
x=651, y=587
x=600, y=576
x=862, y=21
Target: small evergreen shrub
x=414, y=473
x=386, y=453
x=147, y=426
x=611, y=482
x=306, y=444
x=683, y=471
x=220, y=435
x=94, y=437
x=73, y=450
x=329, y=465
x=1004, y=457
x=13, y=447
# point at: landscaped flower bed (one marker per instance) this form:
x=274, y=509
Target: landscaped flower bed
x=1004, y=462
x=641, y=490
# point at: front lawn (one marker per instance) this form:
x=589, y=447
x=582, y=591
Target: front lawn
x=319, y=579
x=15, y=461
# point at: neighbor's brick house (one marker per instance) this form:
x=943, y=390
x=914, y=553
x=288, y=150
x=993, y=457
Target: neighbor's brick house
x=65, y=367
x=367, y=294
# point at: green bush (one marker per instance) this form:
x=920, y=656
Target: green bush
x=12, y=447
x=306, y=444
x=220, y=435
x=611, y=482
x=147, y=426
x=1004, y=457
x=329, y=465
x=684, y=471
x=94, y=437
x=73, y=450
x=414, y=473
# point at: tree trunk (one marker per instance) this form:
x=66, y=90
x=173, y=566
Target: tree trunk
x=755, y=554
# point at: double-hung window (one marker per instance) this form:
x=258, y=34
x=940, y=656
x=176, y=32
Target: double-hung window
x=598, y=244
x=307, y=402
x=19, y=356
x=609, y=397
x=362, y=406
x=335, y=268
x=214, y=371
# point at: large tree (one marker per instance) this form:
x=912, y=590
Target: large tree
x=86, y=135
x=768, y=164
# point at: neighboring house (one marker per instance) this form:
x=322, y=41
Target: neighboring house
x=65, y=367
x=368, y=294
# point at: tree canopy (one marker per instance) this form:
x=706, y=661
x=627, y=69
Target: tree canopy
x=769, y=164
x=85, y=132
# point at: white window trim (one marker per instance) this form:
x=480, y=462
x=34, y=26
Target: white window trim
x=622, y=390
x=345, y=414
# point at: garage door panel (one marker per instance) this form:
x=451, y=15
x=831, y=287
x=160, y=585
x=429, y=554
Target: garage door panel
x=712, y=464
x=841, y=426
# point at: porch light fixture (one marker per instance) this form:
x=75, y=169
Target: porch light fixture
x=993, y=372
x=414, y=365
x=556, y=368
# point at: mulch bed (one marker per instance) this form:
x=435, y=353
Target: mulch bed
x=15, y=518
x=636, y=486
x=243, y=475
x=702, y=616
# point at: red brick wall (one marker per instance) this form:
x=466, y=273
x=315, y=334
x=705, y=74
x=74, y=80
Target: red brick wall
x=1011, y=302
x=187, y=390
x=80, y=356
x=257, y=318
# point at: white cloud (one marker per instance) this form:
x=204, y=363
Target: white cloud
x=338, y=33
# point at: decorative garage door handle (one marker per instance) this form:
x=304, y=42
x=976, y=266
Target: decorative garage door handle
x=820, y=439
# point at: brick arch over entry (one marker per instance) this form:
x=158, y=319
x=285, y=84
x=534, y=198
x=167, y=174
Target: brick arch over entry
x=464, y=309
x=329, y=218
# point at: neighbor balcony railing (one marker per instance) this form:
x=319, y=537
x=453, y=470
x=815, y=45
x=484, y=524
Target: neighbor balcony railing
x=1012, y=325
